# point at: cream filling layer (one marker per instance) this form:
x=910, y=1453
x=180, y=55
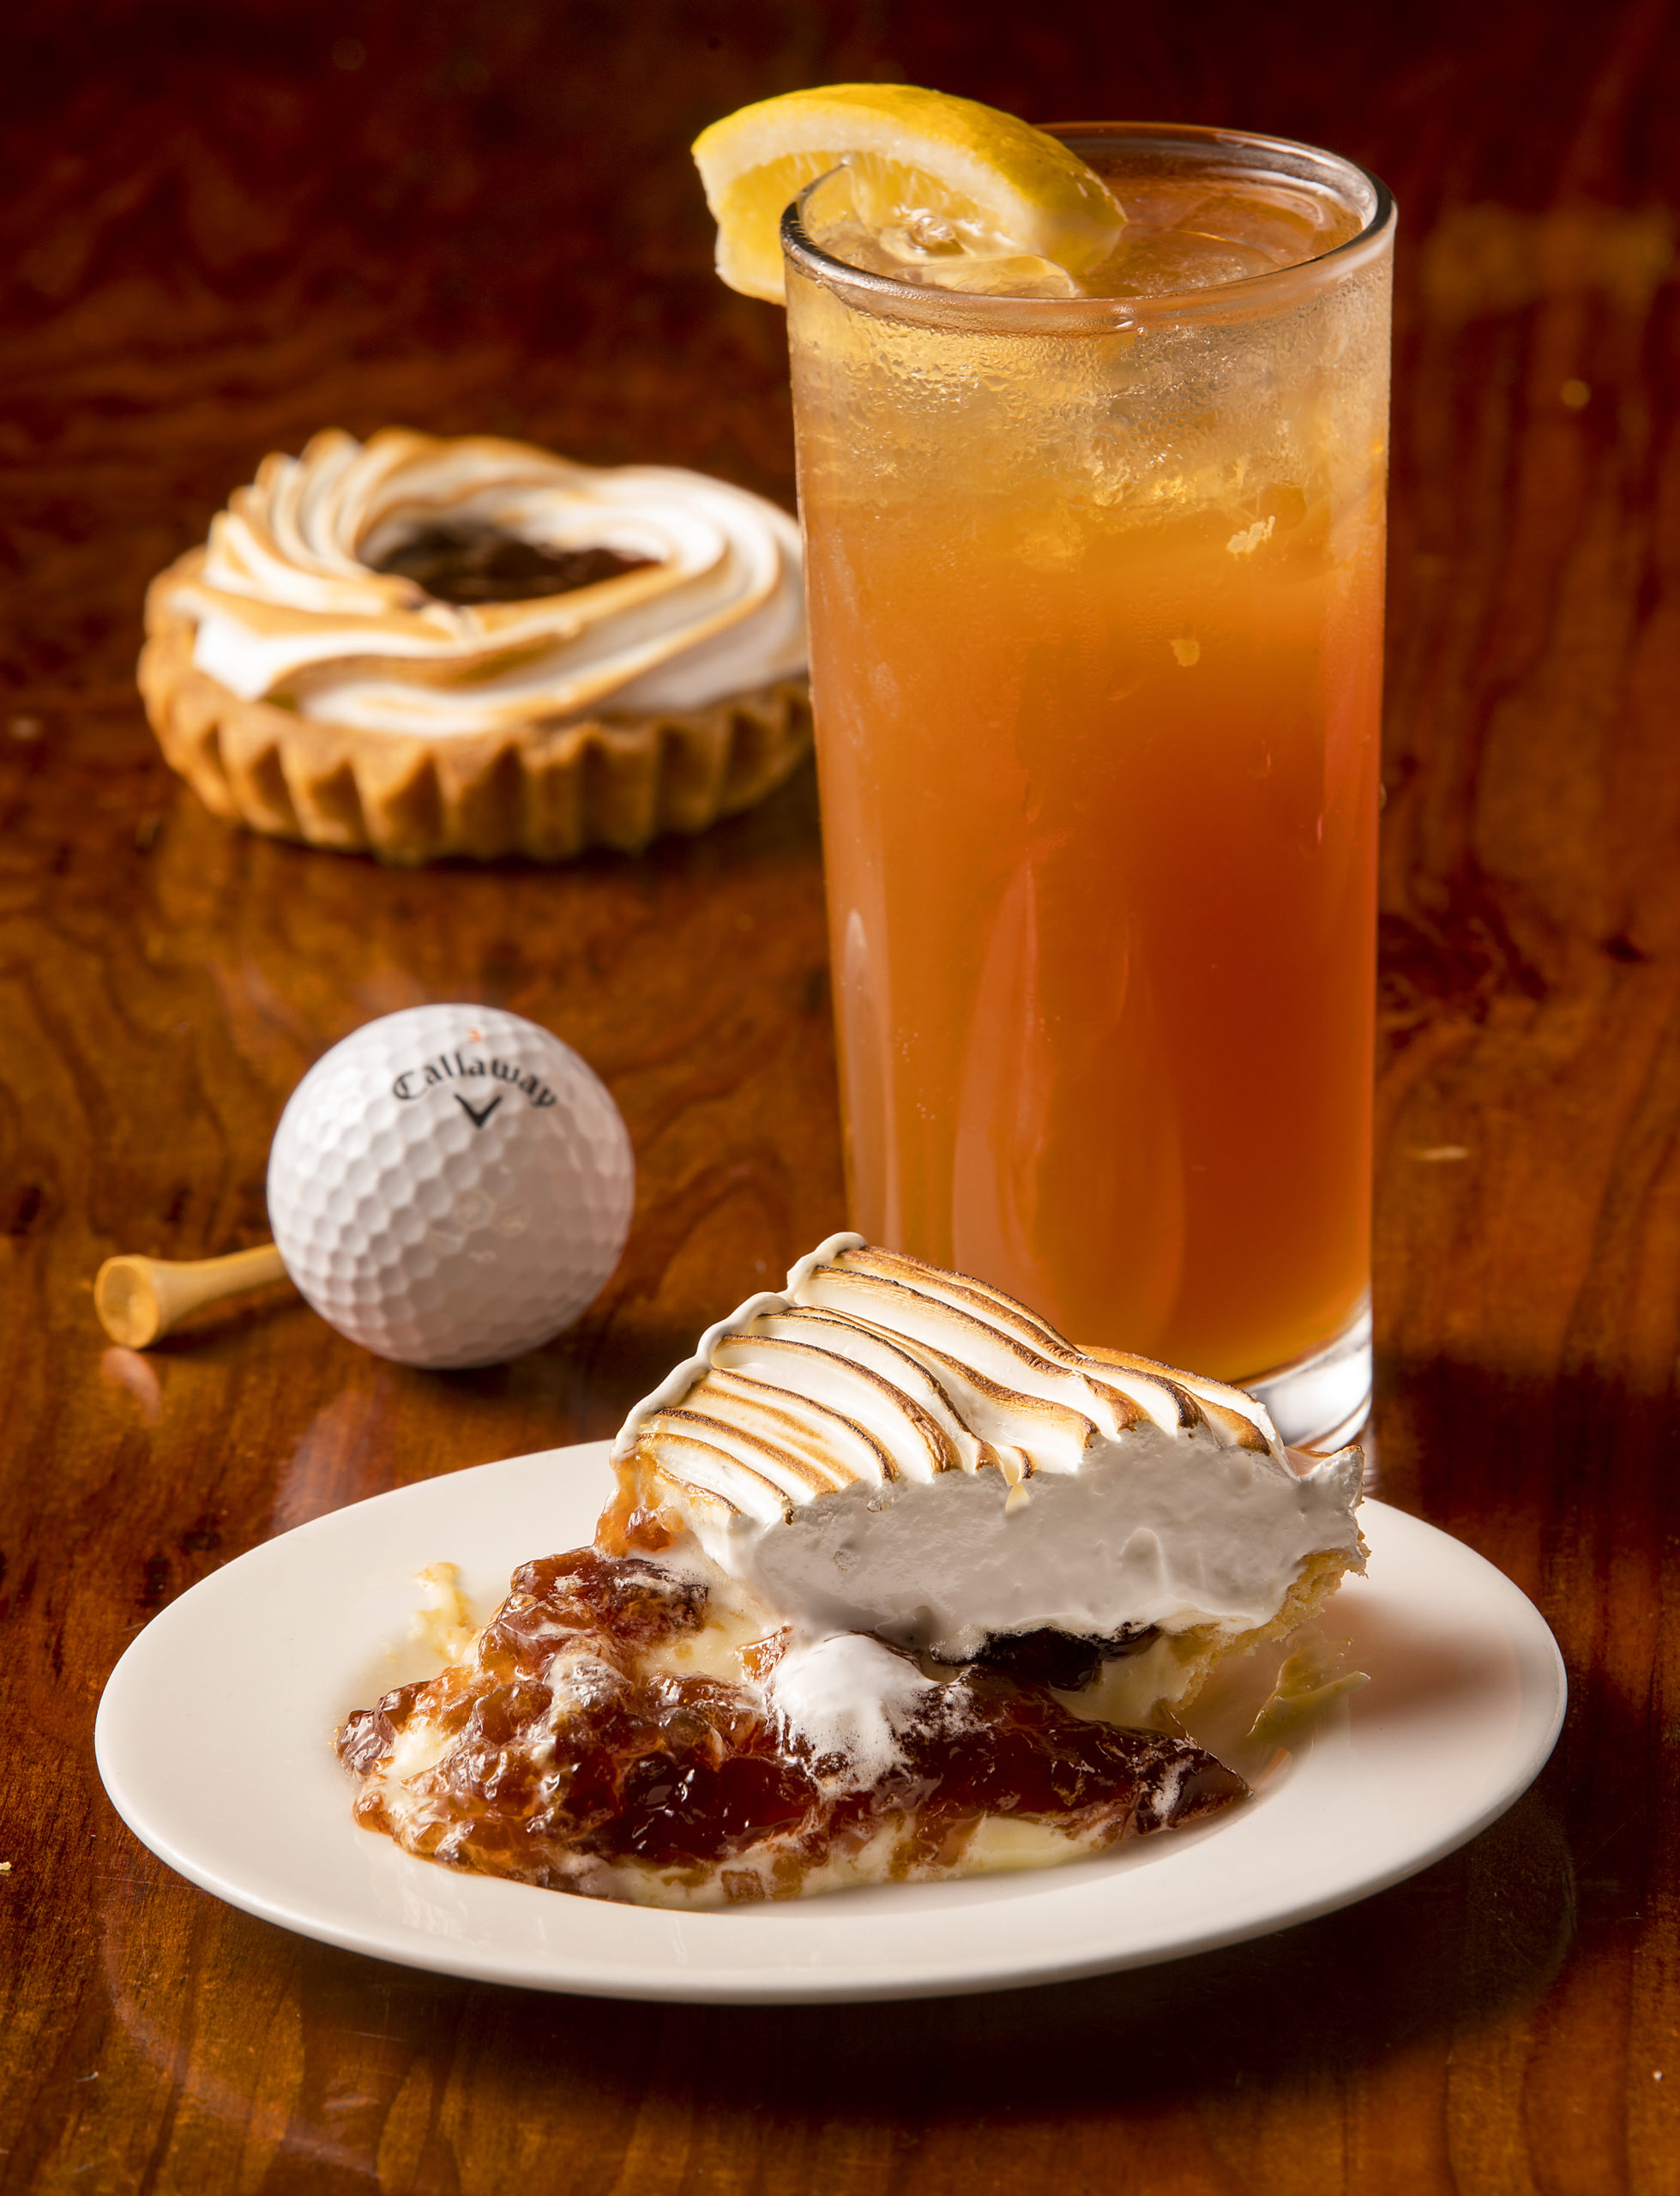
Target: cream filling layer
x=1147, y=1532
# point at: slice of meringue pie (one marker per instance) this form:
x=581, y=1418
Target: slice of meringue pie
x=896, y=1584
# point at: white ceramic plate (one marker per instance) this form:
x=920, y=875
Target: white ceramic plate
x=214, y=1742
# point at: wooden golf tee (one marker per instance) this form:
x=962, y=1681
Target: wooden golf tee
x=139, y=1299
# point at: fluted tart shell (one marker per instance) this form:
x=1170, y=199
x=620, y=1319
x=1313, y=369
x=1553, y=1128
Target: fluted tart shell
x=547, y=792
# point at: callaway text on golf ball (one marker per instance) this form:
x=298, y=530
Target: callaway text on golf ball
x=450, y=1185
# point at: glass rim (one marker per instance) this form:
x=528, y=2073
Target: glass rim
x=1249, y=294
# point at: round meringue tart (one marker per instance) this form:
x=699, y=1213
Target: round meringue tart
x=420, y=648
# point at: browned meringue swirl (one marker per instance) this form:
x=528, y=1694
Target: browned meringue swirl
x=671, y=590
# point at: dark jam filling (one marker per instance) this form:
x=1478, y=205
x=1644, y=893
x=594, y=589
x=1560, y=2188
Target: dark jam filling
x=477, y=564
x=1067, y=1660
x=684, y=1772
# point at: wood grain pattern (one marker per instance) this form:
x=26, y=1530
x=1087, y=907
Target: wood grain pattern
x=226, y=228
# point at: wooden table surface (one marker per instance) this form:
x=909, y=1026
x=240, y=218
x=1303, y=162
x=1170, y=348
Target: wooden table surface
x=225, y=227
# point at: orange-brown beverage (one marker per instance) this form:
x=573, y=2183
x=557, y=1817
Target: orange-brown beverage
x=1096, y=600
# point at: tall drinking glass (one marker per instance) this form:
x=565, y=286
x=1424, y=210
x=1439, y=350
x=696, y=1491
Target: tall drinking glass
x=1095, y=588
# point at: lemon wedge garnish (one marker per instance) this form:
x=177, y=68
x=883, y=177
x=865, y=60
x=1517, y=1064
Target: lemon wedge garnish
x=948, y=173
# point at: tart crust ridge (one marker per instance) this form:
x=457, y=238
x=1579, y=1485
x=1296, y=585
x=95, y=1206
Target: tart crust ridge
x=545, y=791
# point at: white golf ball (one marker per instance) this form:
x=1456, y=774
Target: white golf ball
x=450, y=1185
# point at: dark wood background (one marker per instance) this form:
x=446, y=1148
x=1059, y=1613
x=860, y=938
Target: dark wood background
x=225, y=226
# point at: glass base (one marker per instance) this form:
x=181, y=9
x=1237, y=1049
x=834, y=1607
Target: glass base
x=1320, y=1401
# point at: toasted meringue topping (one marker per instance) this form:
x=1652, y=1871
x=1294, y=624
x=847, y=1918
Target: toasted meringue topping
x=888, y=1447
x=292, y=606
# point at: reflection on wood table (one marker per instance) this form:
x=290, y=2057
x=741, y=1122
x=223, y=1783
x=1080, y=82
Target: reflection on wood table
x=225, y=230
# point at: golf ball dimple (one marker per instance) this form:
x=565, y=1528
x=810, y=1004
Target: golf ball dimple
x=450, y=1185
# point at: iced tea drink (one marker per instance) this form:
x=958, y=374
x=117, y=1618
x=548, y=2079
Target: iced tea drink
x=1095, y=586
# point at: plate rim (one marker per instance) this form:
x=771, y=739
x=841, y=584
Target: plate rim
x=380, y=1936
